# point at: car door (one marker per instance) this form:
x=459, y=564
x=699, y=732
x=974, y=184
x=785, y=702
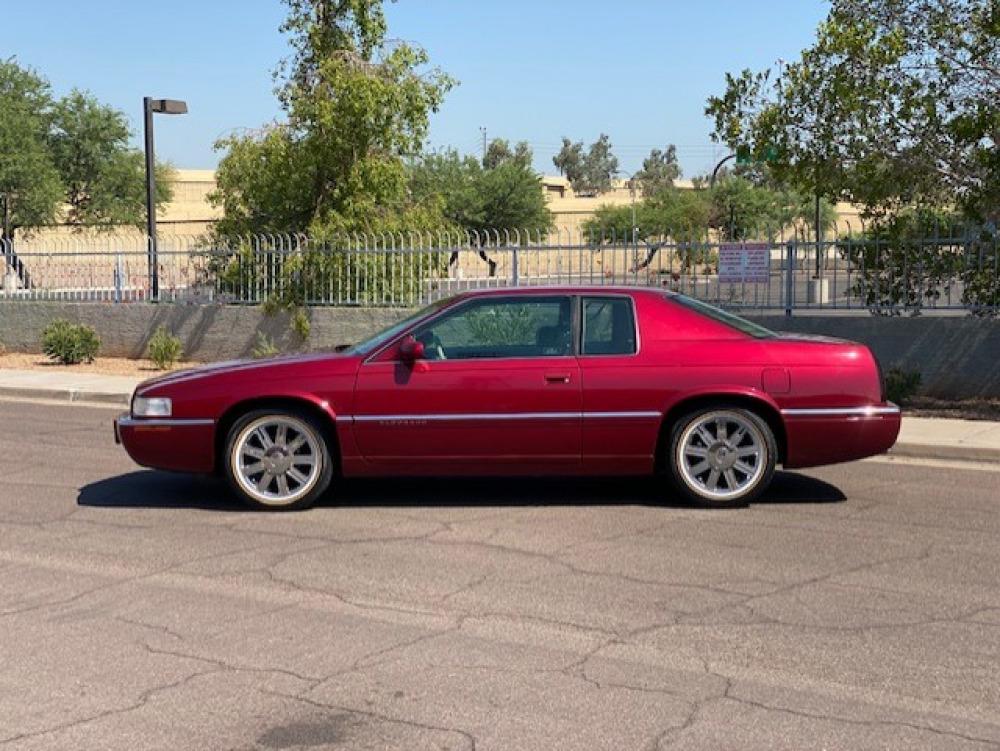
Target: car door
x=498, y=391
x=621, y=392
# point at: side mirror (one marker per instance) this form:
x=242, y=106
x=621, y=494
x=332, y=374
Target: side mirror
x=410, y=350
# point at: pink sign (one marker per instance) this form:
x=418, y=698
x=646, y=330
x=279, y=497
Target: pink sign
x=744, y=262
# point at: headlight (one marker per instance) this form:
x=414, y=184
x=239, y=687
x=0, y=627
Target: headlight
x=152, y=407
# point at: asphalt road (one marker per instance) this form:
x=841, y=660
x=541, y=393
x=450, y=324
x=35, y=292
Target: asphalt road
x=854, y=607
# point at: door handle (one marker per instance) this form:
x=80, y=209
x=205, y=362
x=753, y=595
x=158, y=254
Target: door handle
x=557, y=377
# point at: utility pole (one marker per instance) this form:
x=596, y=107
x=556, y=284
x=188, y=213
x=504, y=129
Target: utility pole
x=482, y=130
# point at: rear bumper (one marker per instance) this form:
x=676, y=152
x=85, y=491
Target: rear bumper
x=182, y=445
x=841, y=434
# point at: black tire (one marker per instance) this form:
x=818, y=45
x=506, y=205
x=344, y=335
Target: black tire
x=245, y=436
x=720, y=456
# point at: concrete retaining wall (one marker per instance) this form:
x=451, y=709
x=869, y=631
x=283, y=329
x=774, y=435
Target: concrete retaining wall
x=208, y=332
x=957, y=356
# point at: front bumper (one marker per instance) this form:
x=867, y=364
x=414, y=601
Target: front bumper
x=827, y=435
x=179, y=444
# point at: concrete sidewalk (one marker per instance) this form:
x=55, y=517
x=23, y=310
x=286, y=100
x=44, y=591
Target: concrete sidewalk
x=920, y=437
x=941, y=438
x=67, y=386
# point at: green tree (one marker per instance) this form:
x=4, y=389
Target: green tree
x=735, y=208
x=103, y=178
x=569, y=160
x=897, y=103
x=30, y=187
x=509, y=195
x=499, y=151
x=67, y=159
x=747, y=208
x=599, y=166
x=670, y=212
x=659, y=170
x=356, y=108
x=588, y=172
x=512, y=197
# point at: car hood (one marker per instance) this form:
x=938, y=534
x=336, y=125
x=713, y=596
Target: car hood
x=264, y=367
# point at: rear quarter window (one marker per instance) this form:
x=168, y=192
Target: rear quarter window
x=608, y=326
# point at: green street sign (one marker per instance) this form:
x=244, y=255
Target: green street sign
x=744, y=155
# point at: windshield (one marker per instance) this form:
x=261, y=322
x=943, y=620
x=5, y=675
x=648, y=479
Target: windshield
x=722, y=316
x=370, y=345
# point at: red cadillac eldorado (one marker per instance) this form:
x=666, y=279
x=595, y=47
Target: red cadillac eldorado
x=528, y=381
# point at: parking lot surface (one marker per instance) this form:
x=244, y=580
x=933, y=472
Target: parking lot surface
x=853, y=607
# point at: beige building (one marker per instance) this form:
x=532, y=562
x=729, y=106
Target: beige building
x=189, y=214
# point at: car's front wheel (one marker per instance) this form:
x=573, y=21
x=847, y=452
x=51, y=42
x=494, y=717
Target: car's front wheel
x=277, y=460
x=722, y=456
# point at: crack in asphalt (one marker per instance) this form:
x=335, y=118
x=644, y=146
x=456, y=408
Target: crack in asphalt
x=992, y=742
x=140, y=702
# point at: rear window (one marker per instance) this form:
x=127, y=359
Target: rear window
x=724, y=317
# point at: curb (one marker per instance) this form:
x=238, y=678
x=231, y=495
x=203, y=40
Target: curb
x=959, y=452
x=67, y=395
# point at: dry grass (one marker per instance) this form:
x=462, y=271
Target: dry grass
x=102, y=365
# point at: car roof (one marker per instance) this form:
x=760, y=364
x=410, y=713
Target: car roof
x=569, y=289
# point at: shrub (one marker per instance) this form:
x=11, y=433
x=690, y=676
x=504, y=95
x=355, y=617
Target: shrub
x=901, y=385
x=264, y=347
x=70, y=343
x=164, y=348
x=271, y=306
x=301, y=325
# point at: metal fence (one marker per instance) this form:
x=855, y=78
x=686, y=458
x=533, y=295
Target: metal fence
x=953, y=271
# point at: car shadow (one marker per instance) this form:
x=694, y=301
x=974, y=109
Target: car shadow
x=153, y=489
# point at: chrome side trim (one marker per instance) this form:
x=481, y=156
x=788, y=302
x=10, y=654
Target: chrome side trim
x=486, y=416
x=162, y=422
x=471, y=416
x=621, y=415
x=841, y=411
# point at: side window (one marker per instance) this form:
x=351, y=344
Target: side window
x=502, y=327
x=608, y=326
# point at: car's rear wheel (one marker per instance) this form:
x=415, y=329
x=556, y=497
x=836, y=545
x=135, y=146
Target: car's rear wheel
x=722, y=456
x=278, y=460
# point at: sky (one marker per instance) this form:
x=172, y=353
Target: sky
x=531, y=70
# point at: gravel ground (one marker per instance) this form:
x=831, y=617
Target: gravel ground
x=102, y=365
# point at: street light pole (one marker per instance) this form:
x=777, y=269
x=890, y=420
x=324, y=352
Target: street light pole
x=715, y=172
x=154, y=276
x=167, y=107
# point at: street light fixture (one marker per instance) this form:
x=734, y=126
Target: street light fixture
x=165, y=107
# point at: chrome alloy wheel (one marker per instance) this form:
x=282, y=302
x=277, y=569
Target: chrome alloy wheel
x=277, y=459
x=721, y=455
